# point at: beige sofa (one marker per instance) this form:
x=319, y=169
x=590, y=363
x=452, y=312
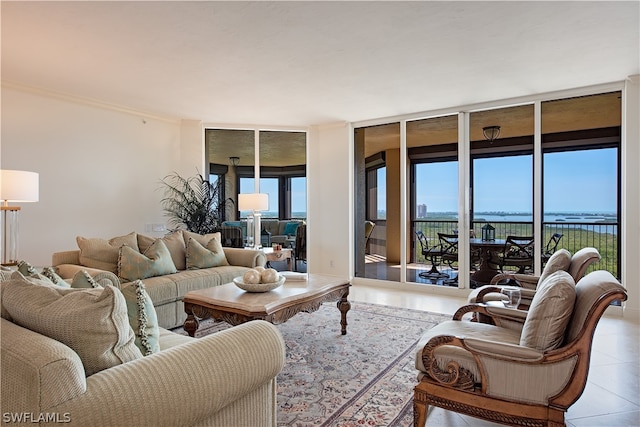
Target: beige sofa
x=166, y=291
x=227, y=378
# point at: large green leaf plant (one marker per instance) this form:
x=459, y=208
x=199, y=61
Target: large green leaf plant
x=194, y=203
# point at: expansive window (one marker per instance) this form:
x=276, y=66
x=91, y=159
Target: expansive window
x=503, y=189
x=559, y=185
x=298, y=197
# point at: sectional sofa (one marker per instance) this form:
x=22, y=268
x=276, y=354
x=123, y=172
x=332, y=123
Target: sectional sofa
x=70, y=357
x=169, y=266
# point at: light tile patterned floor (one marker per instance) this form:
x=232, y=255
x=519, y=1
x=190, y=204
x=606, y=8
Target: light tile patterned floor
x=612, y=395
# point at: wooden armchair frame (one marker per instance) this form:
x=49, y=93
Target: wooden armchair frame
x=454, y=388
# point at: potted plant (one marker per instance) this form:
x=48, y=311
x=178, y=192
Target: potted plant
x=194, y=203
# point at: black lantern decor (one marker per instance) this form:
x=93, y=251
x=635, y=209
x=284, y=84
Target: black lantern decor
x=488, y=232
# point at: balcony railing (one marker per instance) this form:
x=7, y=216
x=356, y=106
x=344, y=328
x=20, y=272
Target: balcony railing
x=576, y=235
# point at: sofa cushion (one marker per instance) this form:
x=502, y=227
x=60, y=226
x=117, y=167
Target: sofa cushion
x=175, y=243
x=93, y=322
x=550, y=312
x=199, y=256
x=142, y=317
x=155, y=261
x=559, y=260
x=103, y=254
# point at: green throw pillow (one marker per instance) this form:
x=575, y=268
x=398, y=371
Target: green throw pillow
x=50, y=274
x=142, y=317
x=82, y=279
x=26, y=269
x=155, y=261
x=199, y=256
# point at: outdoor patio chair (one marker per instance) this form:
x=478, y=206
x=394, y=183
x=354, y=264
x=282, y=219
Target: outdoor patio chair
x=519, y=377
x=551, y=247
x=518, y=252
x=433, y=254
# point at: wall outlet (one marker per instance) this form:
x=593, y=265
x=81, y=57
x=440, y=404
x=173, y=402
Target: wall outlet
x=158, y=227
x=332, y=264
x=155, y=228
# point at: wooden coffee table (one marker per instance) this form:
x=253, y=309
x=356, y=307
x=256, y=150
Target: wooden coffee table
x=235, y=306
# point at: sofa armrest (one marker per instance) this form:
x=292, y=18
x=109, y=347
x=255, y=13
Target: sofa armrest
x=182, y=385
x=37, y=371
x=245, y=257
x=65, y=257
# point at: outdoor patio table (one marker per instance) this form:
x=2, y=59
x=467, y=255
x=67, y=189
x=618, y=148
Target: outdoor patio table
x=488, y=251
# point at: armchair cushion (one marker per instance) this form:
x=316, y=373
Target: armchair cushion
x=103, y=254
x=93, y=322
x=560, y=260
x=550, y=312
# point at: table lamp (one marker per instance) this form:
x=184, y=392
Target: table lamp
x=254, y=202
x=15, y=186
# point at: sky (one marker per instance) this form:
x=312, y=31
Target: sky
x=576, y=181
x=270, y=186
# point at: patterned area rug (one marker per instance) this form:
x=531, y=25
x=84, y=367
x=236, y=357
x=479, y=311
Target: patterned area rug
x=364, y=378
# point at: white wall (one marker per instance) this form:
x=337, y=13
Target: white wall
x=631, y=198
x=99, y=169
x=329, y=178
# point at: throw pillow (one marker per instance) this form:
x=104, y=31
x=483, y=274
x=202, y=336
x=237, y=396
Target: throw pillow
x=290, y=228
x=203, y=239
x=103, y=254
x=175, y=244
x=559, y=260
x=550, y=312
x=93, y=322
x=26, y=269
x=199, y=256
x=156, y=261
x=142, y=317
x=50, y=274
x=82, y=279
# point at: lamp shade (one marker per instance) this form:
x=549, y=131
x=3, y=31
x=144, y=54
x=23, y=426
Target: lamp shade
x=253, y=202
x=19, y=186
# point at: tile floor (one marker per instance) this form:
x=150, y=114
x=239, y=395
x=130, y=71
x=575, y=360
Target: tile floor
x=612, y=395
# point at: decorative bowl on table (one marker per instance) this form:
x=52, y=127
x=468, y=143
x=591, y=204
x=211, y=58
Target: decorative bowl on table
x=258, y=287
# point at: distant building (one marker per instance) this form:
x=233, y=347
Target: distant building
x=422, y=211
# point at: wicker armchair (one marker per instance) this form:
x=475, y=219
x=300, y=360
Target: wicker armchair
x=519, y=377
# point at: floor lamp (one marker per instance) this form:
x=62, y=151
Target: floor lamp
x=254, y=202
x=15, y=186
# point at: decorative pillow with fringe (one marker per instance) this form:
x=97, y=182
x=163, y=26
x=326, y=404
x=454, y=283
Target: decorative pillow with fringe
x=142, y=317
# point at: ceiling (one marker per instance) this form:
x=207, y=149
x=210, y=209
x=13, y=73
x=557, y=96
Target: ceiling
x=301, y=63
